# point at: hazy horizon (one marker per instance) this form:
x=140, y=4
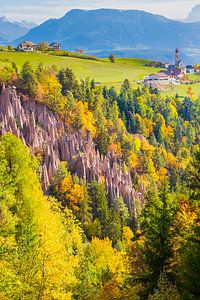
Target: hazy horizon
x=39, y=11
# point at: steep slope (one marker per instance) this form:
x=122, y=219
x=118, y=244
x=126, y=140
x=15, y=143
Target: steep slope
x=41, y=130
x=12, y=30
x=107, y=29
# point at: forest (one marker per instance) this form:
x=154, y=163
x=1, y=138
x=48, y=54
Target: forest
x=73, y=242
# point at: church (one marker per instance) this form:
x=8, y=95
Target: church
x=173, y=74
x=179, y=65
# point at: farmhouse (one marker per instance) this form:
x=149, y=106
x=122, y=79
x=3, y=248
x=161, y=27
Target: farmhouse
x=164, y=77
x=26, y=47
x=160, y=77
x=54, y=46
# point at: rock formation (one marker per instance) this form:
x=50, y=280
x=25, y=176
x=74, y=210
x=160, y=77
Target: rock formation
x=43, y=131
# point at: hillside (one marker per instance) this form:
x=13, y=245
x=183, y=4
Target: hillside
x=106, y=30
x=102, y=70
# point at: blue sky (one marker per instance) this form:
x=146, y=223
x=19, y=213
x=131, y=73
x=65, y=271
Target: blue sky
x=40, y=10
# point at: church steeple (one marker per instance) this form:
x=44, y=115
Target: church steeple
x=177, y=58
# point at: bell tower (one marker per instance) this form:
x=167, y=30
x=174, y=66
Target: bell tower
x=177, y=58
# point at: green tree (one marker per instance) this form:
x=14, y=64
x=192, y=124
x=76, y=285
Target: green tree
x=100, y=208
x=119, y=216
x=29, y=81
x=39, y=243
x=69, y=83
x=165, y=290
x=158, y=217
x=191, y=272
x=112, y=58
x=194, y=179
x=43, y=46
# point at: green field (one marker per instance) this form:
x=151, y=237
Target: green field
x=181, y=90
x=102, y=70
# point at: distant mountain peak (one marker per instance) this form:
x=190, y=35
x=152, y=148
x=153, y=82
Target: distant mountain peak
x=194, y=15
x=10, y=30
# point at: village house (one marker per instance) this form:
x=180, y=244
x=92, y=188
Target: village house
x=163, y=77
x=190, y=69
x=54, y=46
x=160, y=77
x=26, y=47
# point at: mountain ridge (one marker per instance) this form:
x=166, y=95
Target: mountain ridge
x=116, y=30
x=10, y=30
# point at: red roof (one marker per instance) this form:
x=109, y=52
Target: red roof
x=27, y=44
x=161, y=74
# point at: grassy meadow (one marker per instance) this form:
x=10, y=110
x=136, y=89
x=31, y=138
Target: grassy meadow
x=182, y=89
x=102, y=70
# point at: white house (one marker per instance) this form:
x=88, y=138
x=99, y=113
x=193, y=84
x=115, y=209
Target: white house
x=173, y=76
x=190, y=69
x=26, y=47
x=54, y=46
x=160, y=77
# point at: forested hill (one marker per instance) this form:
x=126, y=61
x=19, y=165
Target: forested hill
x=121, y=216
x=106, y=30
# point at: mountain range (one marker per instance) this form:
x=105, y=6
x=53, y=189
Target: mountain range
x=129, y=33
x=12, y=30
x=122, y=32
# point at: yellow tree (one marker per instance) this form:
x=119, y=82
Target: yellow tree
x=102, y=272
x=41, y=245
x=84, y=119
x=51, y=90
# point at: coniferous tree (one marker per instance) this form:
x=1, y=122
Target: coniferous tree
x=29, y=81
x=158, y=217
x=100, y=208
x=192, y=248
x=69, y=83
